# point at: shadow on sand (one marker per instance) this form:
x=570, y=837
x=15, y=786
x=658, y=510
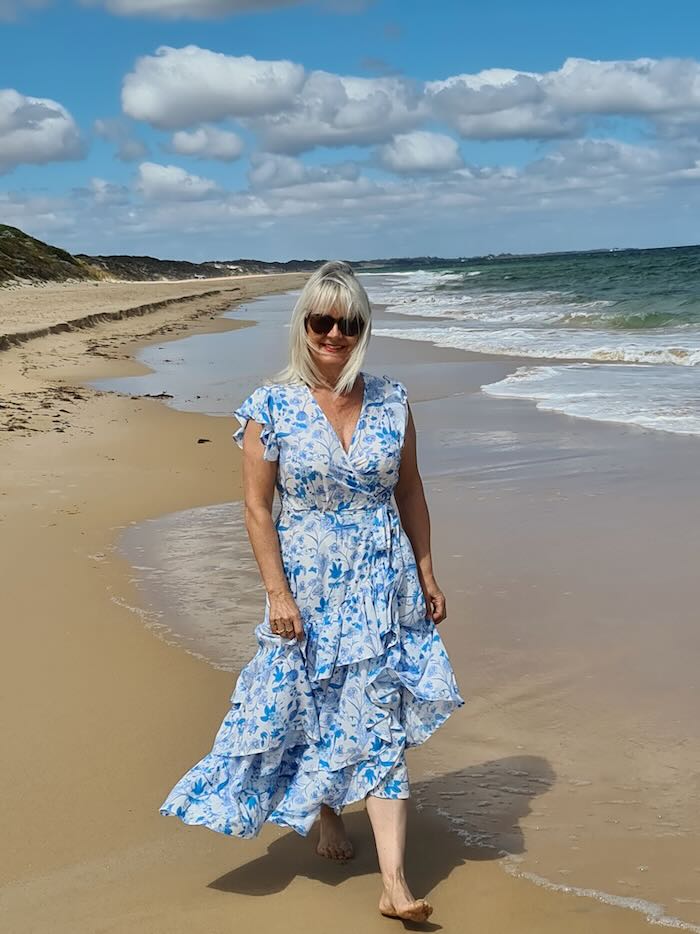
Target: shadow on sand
x=482, y=805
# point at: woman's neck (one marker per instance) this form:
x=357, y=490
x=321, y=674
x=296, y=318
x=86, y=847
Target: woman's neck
x=331, y=374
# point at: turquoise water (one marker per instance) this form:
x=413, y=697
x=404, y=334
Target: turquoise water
x=630, y=288
x=635, y=310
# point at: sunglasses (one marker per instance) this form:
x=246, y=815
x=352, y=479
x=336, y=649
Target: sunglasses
x=323, y=324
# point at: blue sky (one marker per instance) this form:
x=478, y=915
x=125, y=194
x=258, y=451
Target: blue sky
x=205, y=131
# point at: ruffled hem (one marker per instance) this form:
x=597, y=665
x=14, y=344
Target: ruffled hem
x=281, y=750
x=227, y=795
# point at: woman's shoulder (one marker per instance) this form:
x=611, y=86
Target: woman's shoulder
x=391, y=388
x=272, y=404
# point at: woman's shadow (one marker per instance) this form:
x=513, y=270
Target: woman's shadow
x=482, y=805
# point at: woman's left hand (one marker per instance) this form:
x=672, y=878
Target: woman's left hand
x=435, y=603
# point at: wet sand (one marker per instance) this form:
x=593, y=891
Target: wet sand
x=101, y=715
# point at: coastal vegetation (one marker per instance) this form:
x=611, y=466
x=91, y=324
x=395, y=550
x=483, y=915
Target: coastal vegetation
x=25, y=259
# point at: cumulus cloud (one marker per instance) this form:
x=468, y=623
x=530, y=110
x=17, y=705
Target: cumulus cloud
x=178, y=88
x=116, y=131
x=421, y=151
x=36, y=130
x=270, y=170
x=293, y=112
x=643, y=86
x=331, y=110
x=207, y=142
x=502, y=103
x=498, y=104
x=172, y=183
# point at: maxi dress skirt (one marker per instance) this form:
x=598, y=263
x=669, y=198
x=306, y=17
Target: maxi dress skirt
x=327, y=719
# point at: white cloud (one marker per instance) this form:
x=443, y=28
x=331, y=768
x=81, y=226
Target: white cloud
x=178, y=88
x=271, y=170
x=643, y=86
x=331, y=110
x=293, y=112
x=498, y=104
x=598, y=159
x=116, y=130
x=421, y=151
x=36, y=130
x=501, y=103
x=207, y=142
x=274, y=171
x=172, y=183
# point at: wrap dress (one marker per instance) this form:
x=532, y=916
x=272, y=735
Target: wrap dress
x=327, y=719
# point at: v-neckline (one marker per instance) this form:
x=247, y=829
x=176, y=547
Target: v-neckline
x=356, y=429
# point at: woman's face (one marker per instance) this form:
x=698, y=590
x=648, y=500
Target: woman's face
x=334, y=347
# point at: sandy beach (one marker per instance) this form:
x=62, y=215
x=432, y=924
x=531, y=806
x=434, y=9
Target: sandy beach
x=101, y=715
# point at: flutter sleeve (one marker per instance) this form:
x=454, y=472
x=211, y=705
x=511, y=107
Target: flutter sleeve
x=259, y=407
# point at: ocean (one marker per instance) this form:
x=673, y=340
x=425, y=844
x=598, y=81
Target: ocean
x=615, y=335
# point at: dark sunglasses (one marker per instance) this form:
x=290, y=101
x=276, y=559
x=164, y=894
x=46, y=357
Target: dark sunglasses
x=323, y=324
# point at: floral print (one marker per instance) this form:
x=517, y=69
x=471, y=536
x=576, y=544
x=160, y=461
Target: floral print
x=327, y=719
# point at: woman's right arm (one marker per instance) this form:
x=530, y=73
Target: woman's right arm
x=259, y=478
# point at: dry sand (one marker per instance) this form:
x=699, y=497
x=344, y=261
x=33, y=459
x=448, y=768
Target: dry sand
x=27, y=309
x=100, y=716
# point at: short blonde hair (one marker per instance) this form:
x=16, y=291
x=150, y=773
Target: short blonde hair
x=332, y=286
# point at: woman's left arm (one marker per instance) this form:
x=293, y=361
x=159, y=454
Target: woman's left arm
x=415, y=519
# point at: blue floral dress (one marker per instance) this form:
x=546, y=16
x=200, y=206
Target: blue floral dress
x=327, y=719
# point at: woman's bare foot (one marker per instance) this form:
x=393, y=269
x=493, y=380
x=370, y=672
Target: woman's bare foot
x=334, y=842
x=398, y=902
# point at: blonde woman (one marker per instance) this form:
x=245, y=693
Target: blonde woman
x=350, y=669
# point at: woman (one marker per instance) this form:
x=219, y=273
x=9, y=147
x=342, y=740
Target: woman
x=350, y=669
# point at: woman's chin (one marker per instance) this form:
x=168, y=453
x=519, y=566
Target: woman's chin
x=325, y=356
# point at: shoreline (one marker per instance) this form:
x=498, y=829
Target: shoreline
x=106, y=716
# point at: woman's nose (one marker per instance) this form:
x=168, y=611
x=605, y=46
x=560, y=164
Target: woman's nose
x=335, y=330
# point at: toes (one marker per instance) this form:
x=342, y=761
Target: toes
x=330, y=851
x=335, y=849
x=421, y=910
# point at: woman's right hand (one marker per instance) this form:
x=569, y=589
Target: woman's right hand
x=285, y=618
